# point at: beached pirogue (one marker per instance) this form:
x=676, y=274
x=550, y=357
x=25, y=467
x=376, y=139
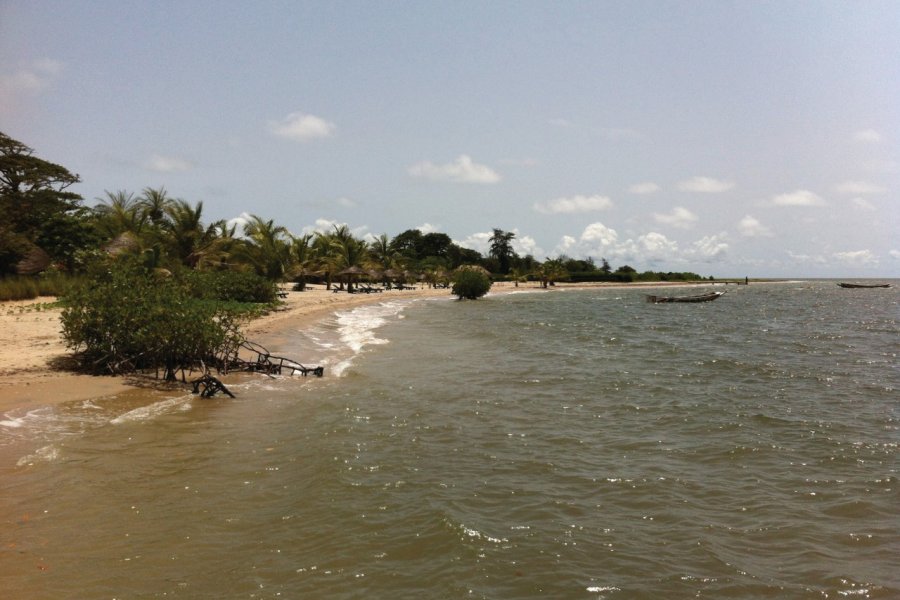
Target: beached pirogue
x=697, y=298
x=864, y=285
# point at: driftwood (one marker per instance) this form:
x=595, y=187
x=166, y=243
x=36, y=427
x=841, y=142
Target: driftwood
x=264, y=361
x=210, y=386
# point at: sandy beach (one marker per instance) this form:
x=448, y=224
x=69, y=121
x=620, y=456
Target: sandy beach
x=34, y=359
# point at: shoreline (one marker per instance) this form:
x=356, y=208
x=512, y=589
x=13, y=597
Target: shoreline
x=33, y=354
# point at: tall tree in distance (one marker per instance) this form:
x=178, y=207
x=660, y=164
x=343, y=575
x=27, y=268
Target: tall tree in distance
x=501, y=248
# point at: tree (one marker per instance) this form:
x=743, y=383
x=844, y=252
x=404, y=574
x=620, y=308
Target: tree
x=126, y=318
x=470, y=283
x=501, y=248
x=190, y=242
x=33, y=193
x=268, y=247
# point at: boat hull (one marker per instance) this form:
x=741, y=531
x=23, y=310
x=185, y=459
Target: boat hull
x=698, y=298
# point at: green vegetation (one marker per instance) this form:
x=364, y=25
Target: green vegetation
x=130, y=318
x=470, y=283
x=155, y=285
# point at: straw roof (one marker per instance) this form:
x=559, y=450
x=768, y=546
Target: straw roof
x=34, y=261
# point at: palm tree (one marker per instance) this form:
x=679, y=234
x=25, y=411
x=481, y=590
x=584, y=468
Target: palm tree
x=154, y=204
x=192, y=244
x=268, y=247
x=501, y=248
x=383, y=253
x=303, y=259
x=119, y=212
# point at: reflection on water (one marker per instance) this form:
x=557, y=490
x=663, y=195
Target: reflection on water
x=577, y=444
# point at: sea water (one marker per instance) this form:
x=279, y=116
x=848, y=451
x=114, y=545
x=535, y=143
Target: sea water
x=571, y=444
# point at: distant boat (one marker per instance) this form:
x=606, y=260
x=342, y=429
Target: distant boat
x=864, y=285
x=698, y=298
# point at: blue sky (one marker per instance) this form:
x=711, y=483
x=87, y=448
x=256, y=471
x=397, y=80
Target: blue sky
x=725, y=138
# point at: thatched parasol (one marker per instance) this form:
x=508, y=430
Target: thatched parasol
x=34, y=261
x=351, y=272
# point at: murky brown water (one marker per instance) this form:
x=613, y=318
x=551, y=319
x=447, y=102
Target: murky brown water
x=569, y=445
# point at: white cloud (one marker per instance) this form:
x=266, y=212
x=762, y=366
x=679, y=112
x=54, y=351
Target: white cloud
x=649, y=248
x=862, y=204
x=477, y=241
x=301, y=127
x=167, y=164
x=575, y=204
x=647, y=187
x=710, y=248
x=599, y=234
x=679, y=217
x=346, y=202
x=856, y=257
x=560, y=122
x=461, y=170
x=751, y=227
x=895, y=254
x=869, y=136
x=522, y=245
x=525, y=245
x=18, y=87
x=33, y=77
x=798, y=198
x=860, y=187
x=706, y=185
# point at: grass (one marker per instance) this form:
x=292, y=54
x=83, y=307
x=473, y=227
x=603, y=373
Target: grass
x=22, y=287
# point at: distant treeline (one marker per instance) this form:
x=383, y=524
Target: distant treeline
x=48, y=233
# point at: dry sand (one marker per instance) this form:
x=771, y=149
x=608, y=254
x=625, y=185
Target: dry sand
x=33, y=354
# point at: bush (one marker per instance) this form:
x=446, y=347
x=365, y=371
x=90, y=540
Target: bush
x=129, y=318
x=231, y=286
x=470, y=284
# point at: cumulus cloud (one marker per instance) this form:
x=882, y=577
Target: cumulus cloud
x=346, y=202
x=895, y=254
x=706, y=185
x=574, y=204
x=798, y=198
x=33, y=77
x=523, y=245
x=301, y=127
x=710, y=248
x=19, y=86
x=477, y=241
x=647, y=187
x=857, y=257
x=862, y=204
x=868, y=136
x=860, y=187
x=427, y=228
x=751, y=227
x=461, y=170
x=167, y=164
x=679, y=217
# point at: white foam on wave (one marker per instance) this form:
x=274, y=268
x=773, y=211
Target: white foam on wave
x=356, y=329
x=144, y=413
x=45, y=454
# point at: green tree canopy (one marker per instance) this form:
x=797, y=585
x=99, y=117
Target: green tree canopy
x=33, y=194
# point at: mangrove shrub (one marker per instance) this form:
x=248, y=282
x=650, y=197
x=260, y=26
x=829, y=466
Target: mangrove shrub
x=470, y=284
x=130, y=318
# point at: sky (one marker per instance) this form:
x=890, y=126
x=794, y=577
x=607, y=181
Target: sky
x=724, y=138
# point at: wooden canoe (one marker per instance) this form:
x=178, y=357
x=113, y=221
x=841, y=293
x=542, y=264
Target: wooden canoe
x=698, y=298
x=864, y=285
